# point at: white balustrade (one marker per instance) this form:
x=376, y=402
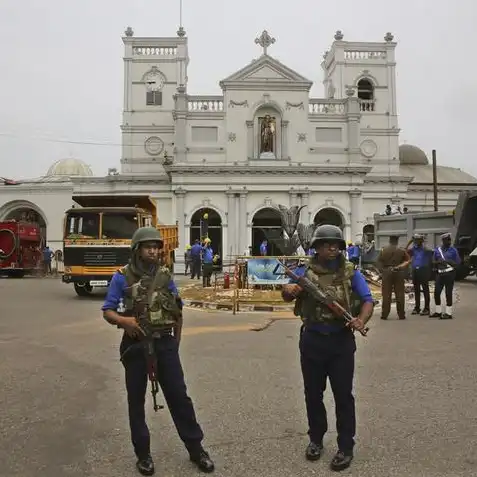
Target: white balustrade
x=214, y=104
x=154, y=50
x=324, y=106
x=364, y=55
x=367, y=105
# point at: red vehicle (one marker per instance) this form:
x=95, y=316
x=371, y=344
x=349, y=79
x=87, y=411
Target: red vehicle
x=20, y=248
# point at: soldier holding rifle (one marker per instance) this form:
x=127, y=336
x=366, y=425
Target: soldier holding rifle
x=327, y=343
x=143, y=300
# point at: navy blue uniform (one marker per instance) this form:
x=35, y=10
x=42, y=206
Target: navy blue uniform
x=327, y=351
x=421, y=274
x=170, y=376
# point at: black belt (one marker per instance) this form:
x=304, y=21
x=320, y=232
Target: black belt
x=163, y=332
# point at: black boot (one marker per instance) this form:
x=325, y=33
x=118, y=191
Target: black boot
x=435, y=315
x=145, y=466
x=203, y=461
x=341, y=461
x=445, y=316
x=425, y=312
x=313, y=451
x=415, y=311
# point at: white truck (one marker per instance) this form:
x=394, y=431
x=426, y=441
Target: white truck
x=461, y=223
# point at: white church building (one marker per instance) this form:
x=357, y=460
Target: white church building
x=263, y=141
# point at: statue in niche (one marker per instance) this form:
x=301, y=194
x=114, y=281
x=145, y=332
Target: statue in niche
x=267, y=134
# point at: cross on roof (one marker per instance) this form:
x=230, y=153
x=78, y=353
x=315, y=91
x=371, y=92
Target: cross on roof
x=265, y=40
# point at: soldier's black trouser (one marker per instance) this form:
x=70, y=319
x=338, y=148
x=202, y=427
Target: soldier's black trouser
x=171, y=379
x=329, y=356
x=195, y=267
x=420, y=279
x=444, y=280
x=207, y=271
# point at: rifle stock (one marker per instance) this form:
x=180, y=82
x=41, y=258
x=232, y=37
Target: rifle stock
x=319, y=295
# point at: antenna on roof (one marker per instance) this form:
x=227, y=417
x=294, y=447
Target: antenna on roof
x=181, y=32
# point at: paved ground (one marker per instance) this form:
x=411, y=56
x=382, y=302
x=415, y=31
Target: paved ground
x=63, y=407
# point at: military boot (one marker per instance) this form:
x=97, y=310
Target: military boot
x=313, y=451
x=202, y=460
x=145, y=465
x=341, y=461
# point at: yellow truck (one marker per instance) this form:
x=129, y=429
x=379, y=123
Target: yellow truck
x=97, y=238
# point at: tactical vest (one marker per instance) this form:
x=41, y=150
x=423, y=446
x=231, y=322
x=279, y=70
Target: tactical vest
x=336, y=283
x=149, y=298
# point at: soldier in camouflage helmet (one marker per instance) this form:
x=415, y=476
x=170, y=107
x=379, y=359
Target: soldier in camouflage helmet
x=143, y=289
x=327, y=345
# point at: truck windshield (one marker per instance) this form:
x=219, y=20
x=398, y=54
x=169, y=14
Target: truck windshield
x=82, y=225
x=119, y=225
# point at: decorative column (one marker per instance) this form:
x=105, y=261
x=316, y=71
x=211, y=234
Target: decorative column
x=250, y=148
x=353, y=115
x=305, y=199
x=232, y=242
x=356, y=199
x=180, y=117
x=293, y=197
x=242, y=234
x=180, y=214
x=284, y=140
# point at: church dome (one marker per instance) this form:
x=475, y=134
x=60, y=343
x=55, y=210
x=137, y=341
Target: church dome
x=69, y=167
x=412, y=156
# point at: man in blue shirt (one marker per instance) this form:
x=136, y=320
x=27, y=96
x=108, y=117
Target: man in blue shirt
x=195, y=256
x=421, y=258
x=208, y=262
x=143, y=291
x=446, y=259
x=327, y=343
x=264, y=248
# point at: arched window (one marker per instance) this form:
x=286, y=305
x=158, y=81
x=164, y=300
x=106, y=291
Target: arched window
x=366, y=94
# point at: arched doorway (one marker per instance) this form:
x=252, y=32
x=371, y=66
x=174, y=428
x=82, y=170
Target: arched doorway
x=329, y=216
x=368, y=233
x=24, y=211
x=206, y=222
x=266, y=225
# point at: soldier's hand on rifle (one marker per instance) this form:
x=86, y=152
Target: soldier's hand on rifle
x=291, y=291
x=131, y=327
x=356, y=324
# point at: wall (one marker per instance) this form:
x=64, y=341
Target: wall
x=50, y=201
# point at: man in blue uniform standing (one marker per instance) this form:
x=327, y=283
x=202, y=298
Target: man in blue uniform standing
x=145, y=289
x=327, y=344
x=446, y=259
x=208, y=261
x=421, y=258
x=195, y=256
x=264, y=248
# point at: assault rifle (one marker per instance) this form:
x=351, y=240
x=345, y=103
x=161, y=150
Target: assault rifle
x=318, y=294
x=151, y=359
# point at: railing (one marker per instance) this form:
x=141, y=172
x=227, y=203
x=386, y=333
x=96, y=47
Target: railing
x=364, y=55
x=366, y=105
x=206, y=103
x=154, y=50
x=326, y=106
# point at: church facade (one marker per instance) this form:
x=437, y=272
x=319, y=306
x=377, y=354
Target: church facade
x=265, y=141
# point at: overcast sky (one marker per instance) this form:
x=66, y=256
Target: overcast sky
x=61, y=68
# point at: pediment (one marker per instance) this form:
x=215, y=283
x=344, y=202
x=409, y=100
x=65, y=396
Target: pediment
x=266, y=70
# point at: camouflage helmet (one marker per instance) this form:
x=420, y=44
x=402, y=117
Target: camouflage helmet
x=328, y=233
x=145, y=234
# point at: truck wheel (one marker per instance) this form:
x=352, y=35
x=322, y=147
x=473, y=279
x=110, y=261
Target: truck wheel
x=462, y=272
x=17, y=274
x=83, y=289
